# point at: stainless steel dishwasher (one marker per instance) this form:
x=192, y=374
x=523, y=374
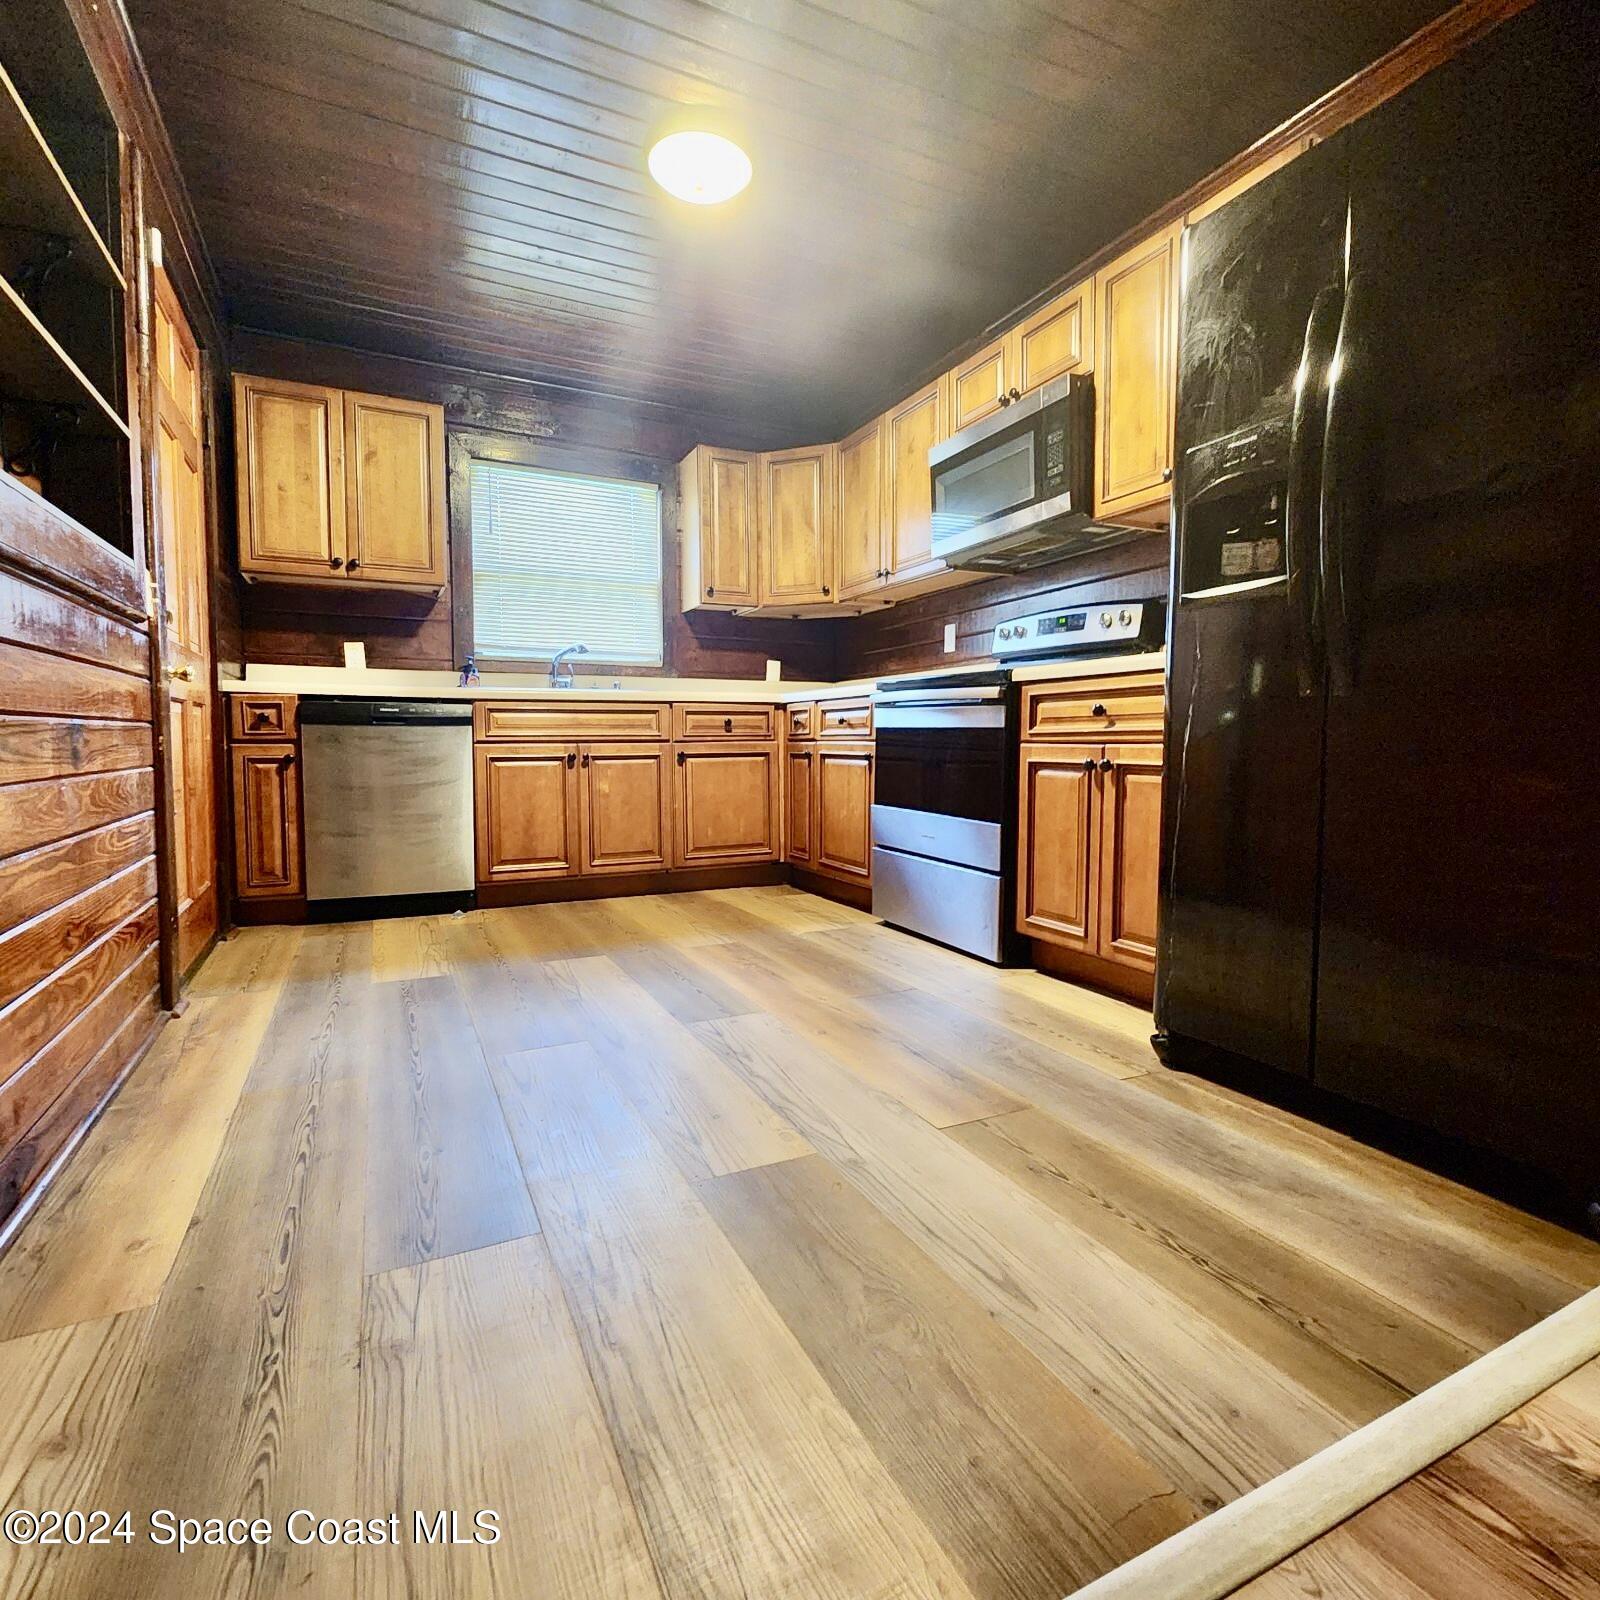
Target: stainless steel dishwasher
x=388, y=797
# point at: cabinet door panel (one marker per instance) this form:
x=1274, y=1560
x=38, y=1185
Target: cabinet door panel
x=728, y=527
x=291, y=478
x=626, y=820
x=1057, y=855
x=797, y=533
x=844, y=810
x=1058, y=338
x=394, y=460
x=862, y=557
x=799, y=804
x=266, y=820
x=727, y=804
x=978, y=386
x=1137, y=301
x=1130, y=852
x=914, y=429
x=527, y=810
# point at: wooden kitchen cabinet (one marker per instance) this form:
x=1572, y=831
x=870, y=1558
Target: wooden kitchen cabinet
x=395, y=518
x=290, y=468
x=912, y=429
x=1056, y=844
x=799, y=804
x=1130, y=854
x=718, y=494
x=798, y=526
x=339, y=488
x=1136, y=301
x=1056, y=339
x=980, y=385
x=862, y=522
x=267, y=845
x=844, y=810
x=626, y=811
x=726, y=799
x=528, y=806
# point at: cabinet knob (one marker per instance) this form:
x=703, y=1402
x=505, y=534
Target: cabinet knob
x=1014, y=394
x=710, y=591
x=354, y=563
x=727, y=724
x=336, y=561
x=572, y=758
x=826, y=589
x=586, y=758
x=681, y=758
x=288, y=760
x=1088, y=763
x=1166, y=474
x=1097, y=710
x=1107, y=765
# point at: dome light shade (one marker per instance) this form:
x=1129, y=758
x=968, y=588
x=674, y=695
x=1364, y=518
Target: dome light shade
x=703, y=168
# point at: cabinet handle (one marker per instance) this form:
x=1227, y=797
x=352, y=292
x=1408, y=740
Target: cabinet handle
x=572, y=758
x=826, y=589
x=681, y=758
x=1088, y=763
x=1097, y=710
x=336, y=561
x=709, y=591
x=586, y=758
x=288, y=760
x=354, y=563
x=1107, y=765
x=727, y=724
x=1015, y=394
x=1166, y=474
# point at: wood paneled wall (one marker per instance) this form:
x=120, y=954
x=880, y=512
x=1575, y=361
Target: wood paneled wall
x=306, y=627
x=910, y=637
x=78, y=914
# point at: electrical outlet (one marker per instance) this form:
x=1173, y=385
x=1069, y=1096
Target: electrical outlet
x=949, y=638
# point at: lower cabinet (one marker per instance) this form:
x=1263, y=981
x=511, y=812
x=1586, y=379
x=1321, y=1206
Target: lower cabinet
x=799, y=803
x=266, y=820
x=844, y=810
x=626, y=808
x=1089, y=846
x=727, y=804
x=528, y=812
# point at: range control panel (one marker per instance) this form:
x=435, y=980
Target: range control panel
x=1083, y=630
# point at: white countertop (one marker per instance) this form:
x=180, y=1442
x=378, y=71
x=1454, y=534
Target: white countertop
x=261, y=678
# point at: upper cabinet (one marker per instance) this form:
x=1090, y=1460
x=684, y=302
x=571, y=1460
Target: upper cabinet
x=911, y=431
x=1136, y=306
x=336, y=487
x=863, y=526
x=1056, y=339
x=980, y=385
x=798, y=537
x=718, y=493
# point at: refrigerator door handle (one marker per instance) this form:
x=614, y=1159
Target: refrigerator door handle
x=1342, y=487
x=1302, y=510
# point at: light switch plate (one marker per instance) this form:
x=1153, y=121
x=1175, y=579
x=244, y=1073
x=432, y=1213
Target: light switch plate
x=774, y=672
x=355, y=655
x=949, y=638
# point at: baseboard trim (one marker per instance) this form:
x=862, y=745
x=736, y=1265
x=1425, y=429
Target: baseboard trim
x=847, y=891
x=1126, y=983
x=1219, y=1554
x=610, y=887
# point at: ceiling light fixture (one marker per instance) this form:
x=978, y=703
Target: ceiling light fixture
x=699, y=166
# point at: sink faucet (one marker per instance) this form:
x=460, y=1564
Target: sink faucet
x=557, y=679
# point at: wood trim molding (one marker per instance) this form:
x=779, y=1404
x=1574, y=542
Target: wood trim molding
x=1217, y=1555
x=1429, y=47
x=47, y=545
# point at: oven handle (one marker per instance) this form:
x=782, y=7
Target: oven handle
x=918, y=705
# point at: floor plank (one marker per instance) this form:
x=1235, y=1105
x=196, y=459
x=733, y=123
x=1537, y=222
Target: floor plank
x=750, y=1477
x=475, y=1394
x=688, y=991
x=1216, y=1421
x=108, y=1231
x=1479, y=1293
x=515, y=1002
x=442, y=1175
x=1030, y=1492
x=408, y=947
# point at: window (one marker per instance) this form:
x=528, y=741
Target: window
x=559, y=559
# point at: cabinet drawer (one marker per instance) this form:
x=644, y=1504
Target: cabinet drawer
x=262, y=716
x=722, y=722
x=801, y=721
x=549, y=720
x=1092, y=708
x=844, y=719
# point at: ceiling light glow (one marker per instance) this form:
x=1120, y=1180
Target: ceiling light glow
x=703, y=168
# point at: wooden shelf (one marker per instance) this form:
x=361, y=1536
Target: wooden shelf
x=33, y=366
x=33, y=185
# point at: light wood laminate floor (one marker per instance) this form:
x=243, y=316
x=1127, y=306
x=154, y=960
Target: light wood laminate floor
x=723, y=1244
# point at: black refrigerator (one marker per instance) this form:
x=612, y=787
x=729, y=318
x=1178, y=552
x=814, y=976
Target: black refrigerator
x=1381, y=829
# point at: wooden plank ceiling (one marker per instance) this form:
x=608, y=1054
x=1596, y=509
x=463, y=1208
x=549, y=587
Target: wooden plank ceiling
x=463, y=180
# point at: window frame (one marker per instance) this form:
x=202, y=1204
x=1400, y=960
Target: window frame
x=465, y=447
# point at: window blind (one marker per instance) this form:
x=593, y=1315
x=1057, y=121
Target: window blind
x=558, y=559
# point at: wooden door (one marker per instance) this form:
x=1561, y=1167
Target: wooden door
x=727, y=804
x=626, y=806
x=527, y=812
x=266, y=820
x=728, y=519
x=1130, y=854
x=844, y=810
x=981, y=385
x=1057, y=855
x=797, y=526
x=799, y=803
x=914, y=427
x=180, y=503
x=863, y=556
x=1057, y=339
x=1136, y=297
x=394, y=491
x=290, y=447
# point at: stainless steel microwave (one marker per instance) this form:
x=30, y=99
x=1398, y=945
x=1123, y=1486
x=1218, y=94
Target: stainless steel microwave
x=1015, y=489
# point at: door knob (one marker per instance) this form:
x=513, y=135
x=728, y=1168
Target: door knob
x=182, y=674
